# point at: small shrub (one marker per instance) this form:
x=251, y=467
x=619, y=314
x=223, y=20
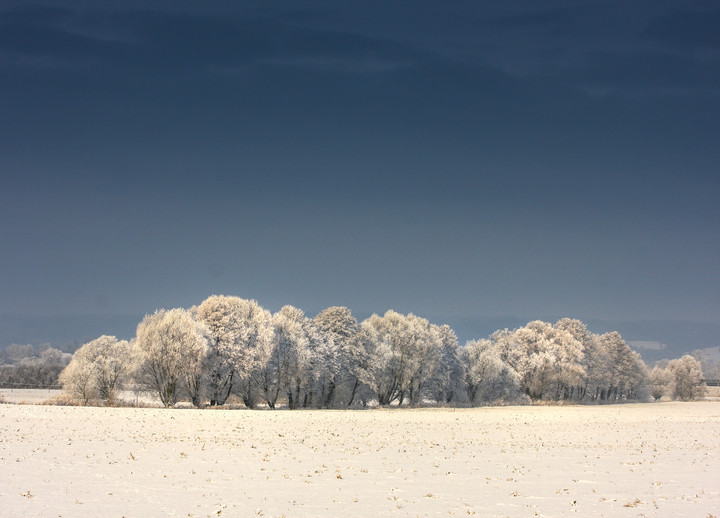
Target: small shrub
x=63, y=399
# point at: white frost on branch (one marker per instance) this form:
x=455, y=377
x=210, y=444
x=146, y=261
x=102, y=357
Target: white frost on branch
x=171, y=348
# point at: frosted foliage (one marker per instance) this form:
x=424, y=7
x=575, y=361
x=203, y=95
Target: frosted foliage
x=14, y=353
x=423, y=383
x=305, y=370
x=171, y=347
x=621, y=372
x=342, y=352
x=77, y=379
x=566, y=361
x=686, y=378
x=402, y=350
x=229, y=345
x=55, y=357
x=338, y=321
x=97, y=369
x=660, y=382
x=446, y=382
x=289, y=368
x=327, y=366
x=597, y=365
x=488, y=378
x=577, y=329
x=546, y=359
x=242, y=343
x=709, y=363
x=38, y=369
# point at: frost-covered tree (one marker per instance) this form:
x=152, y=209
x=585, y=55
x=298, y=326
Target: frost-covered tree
x=331, y=360
x=612, y=369
x=686, y=378
x=488, y=378
x=593, y=355
x=446, y=383
x=289, y=368
x=598, y=368
x=547, y=360
x=710, y=364
x=253, y=353
x=242, y=342
x=660, y=381
x=624, y=371
x=171, y=348
x=326, y=368
x=400, y=347
x=14, y=353
x=637, y=387
x=303, y=373
x=97, y=369
x=422, y=384
x=111, y=365
x=220, y=314
x=343, y=351
x=566, y=361
x=522, y=350
x=78, y=379
x=576, y=328
x=39, y=369
x=569, y=369
x=55, y=357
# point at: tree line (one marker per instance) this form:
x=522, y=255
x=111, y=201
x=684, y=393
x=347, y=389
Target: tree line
x=25, y=366
x=230, y=346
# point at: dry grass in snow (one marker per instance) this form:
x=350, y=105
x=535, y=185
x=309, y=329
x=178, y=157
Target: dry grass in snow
x=625, y=460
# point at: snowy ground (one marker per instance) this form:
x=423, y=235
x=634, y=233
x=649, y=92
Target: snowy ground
x=625, y=460
x=38, y=396
x=32, y=396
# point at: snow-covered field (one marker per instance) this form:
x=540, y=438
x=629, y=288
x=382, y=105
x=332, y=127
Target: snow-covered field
x=625, y=460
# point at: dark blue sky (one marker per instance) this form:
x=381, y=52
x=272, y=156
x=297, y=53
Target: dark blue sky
x=447, y=158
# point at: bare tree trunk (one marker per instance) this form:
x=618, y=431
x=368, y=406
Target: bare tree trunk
x=328, y=399
x=354, y=390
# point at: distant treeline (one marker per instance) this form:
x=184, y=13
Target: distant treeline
x=25, y=366
x=232, y=346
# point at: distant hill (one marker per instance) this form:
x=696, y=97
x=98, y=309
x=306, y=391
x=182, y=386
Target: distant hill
x=653, y=339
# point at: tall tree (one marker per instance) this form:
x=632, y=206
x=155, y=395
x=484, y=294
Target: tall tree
x=400, y=348
x=446, y=382
x=289, y=366
x=547, y=360
x=349, y=359
x=242, y=339
x=171, y=347
x=488, y=378
x=97, y=369
x=660, y=382
x=686, y=378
